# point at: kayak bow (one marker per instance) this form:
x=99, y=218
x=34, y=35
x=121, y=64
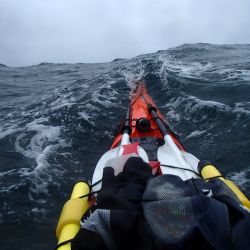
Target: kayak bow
x=146, y=133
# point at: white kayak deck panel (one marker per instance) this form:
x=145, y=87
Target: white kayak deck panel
x=183, y=165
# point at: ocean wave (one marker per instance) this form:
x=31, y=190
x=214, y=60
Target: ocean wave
x=59, y=118
x=226, y=74
x=199, y=110
x=8, y=130
x=39, y=142
x=193, y=70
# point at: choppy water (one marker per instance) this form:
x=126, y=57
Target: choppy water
x=57, y=119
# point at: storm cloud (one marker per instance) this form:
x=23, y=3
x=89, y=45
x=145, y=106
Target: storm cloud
x=34, y=31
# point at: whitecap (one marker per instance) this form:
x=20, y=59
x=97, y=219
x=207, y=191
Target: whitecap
x=196, y=133
x=45, y=142
x=189, y=70
x=43, y=135
x=192, y=105
x=233, y=74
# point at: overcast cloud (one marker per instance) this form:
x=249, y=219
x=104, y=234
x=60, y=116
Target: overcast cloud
x=34, y=31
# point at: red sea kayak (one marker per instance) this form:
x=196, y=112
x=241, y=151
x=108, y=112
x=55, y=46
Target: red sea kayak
x=145, y=133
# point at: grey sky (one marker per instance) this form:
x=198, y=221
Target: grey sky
x=34, y=31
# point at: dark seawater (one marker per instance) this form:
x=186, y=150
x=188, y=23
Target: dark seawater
x=56, y=120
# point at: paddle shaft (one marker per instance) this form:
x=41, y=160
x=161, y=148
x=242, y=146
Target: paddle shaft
x=126, y=130
x=167, y=138
x=161, y=125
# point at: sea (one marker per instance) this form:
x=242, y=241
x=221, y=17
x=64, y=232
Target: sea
x=56, y=120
